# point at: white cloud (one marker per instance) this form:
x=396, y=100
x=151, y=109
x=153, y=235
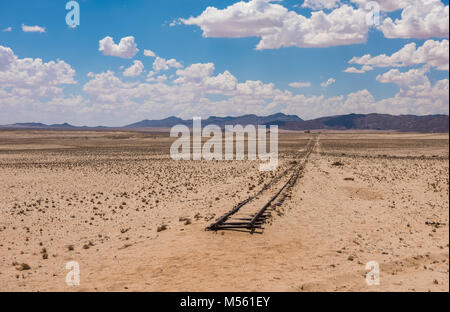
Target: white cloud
x=33, y=89
x=73, y=102
x=186, y=95
x=320, y=4
x=354, y=70
x=175, y=22
x=7, y=57
x=106, y=87
x=278, y=27
x=134, y=70
x=151, y=74
x=404, y=80
x=36, y=28
x=416, y=90
x=8, y=29
x=126, y=48
x=32, y=77
x=386, y=5
x=420, y=19
x=433, y=53
x=328, y=83
x=426, y=100
x=161, y=78
x=189, y=94
x=300, y=84
x=163, y=64
x=149, y=53
x=411, y=83
x=195, y=73
x=224, y=83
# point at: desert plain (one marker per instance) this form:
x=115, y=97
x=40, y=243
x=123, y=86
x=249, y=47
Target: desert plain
x=134, y=219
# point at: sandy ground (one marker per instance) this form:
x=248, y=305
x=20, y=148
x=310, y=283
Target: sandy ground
x=98, y=198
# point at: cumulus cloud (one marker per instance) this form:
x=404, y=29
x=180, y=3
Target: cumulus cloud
x=320, y=4
x=195, y=73
x=411, y=83
x=126, y=48
x=354, y=70
x=187, y=94
x=134, y=70
x=151, y=74
x=149, y=53
x=412, y=77
x=346, y=24
x=224, y=83
x=163, y=64
x=420, y=19
x=328, y=83
x=108, y=98
x=36, y=28
x=433, y=53
x=7, y=57
x=386, y=5
x=278, y=27
x=31, y=89
x=32, y=77
x=300, y=84
x=161, y=78
x=416, y=87
x=151, y=77
x=429, y=99
x=106, y=87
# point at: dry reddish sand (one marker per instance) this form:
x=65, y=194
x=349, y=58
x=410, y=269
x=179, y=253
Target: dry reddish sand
x=98, y=198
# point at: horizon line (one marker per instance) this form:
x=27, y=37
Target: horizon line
x=211, y=116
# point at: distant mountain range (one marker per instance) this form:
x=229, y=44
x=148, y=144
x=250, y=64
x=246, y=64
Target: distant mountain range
x=402, y=123
x=276, y=119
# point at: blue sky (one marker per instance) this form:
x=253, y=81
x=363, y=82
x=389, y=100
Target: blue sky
x=149, y=23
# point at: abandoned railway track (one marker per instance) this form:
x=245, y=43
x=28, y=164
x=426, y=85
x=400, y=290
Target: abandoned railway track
x=243, y=217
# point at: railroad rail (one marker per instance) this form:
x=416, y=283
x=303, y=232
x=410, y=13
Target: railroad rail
x=255, y=221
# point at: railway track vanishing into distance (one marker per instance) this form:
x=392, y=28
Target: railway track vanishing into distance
x=252, y=220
